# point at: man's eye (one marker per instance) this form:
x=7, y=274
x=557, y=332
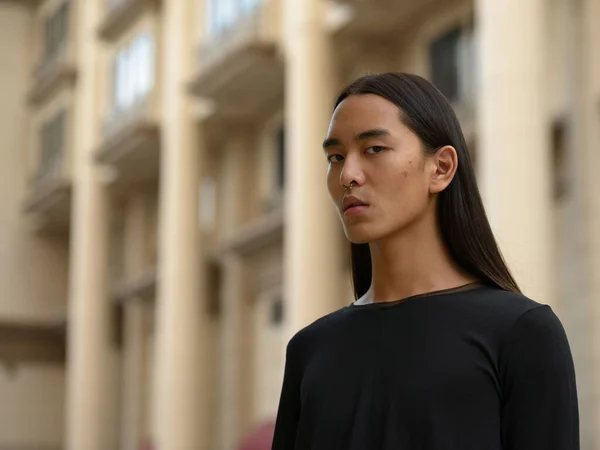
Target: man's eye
x=375, y=149
x=331, y=158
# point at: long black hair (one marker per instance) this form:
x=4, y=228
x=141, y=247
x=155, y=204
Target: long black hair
x=463, y=223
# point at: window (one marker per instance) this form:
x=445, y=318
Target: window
x=55, y=30
x=276, y=311
x=559, y=160
x=208, y=207
x=452, y=63
x=271, y=165
x=112, y=4
x=133, y=72
x=280, y=156
x=214, y=280
x=222, y=14
x=249, y=5
x=52, y=146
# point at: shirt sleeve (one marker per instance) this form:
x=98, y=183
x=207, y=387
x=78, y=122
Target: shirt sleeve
x=539, y=393
x=288, y=413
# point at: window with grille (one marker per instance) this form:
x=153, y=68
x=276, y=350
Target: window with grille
x=56, y=31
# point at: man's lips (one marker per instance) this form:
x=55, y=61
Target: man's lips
x=351, y=201
x=353, y=210
x=354, y=205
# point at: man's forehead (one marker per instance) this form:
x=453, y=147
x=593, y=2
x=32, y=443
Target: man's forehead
x=356, y=125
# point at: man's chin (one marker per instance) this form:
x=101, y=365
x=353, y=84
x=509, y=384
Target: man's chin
x=359, y=237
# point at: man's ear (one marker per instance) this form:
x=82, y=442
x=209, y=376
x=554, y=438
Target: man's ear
x=444, y=164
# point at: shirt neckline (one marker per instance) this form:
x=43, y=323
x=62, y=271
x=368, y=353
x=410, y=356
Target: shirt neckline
x=469, y=287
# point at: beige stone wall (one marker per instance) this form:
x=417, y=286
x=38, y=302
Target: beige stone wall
x=268, y=360
x=33, y=271
x=35, y=417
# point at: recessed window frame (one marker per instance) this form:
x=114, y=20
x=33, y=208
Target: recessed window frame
x=134, y=71
x=461, y=40
x=56, y=31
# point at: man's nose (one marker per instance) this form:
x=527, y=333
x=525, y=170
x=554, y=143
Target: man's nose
x=351, y=171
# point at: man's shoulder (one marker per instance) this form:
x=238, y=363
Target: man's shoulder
x=319, y=328
x=498, y=304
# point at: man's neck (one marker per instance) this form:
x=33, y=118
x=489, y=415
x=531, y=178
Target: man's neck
x=411, y=263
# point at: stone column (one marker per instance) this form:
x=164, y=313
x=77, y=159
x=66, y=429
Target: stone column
x=314, y=280
x=134, y=342
x=179, y=417
x=234, y=380
x=590, y=251
x=90, y=393
x=515, y=156
x=235, y=313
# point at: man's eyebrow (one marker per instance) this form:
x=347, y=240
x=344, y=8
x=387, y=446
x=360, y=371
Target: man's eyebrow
x=375, y=132
x=330, y=142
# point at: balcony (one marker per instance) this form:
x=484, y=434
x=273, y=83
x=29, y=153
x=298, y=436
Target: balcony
x=241, y=69
x=378, y=18
x=131, y=144
x=53, y=72
x=265, y=231
x=49, y=199
x=260, y=244
x=33, y=342
x=120, y=14
x=142, y=287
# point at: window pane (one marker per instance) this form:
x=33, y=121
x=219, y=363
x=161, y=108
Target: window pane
x=444, y=59
x=52, y=24
x=142, y=65
x=277, y=312
x=211, y=16
x=280, y=146
x=115, y=85
x=47, y=39
x=60, y=142
x=128, y=77
x=64, y=22
x=118, y=81
x=229, y=12
x=150, y=63
x=145, y=64
x=219, y=15
x=135, y=72
x=123, y=79
x=249, y=5
x=207, y=204
x=60, y=125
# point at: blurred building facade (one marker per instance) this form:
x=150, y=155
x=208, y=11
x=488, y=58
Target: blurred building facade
x=165, y=222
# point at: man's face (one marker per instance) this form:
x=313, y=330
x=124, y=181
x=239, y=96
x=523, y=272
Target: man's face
x=367, y=143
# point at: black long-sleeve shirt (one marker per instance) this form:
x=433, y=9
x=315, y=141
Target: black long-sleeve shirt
x=482, y=369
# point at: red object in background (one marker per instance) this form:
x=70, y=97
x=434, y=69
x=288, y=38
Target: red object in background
x=147, y=446
x=260, y=438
